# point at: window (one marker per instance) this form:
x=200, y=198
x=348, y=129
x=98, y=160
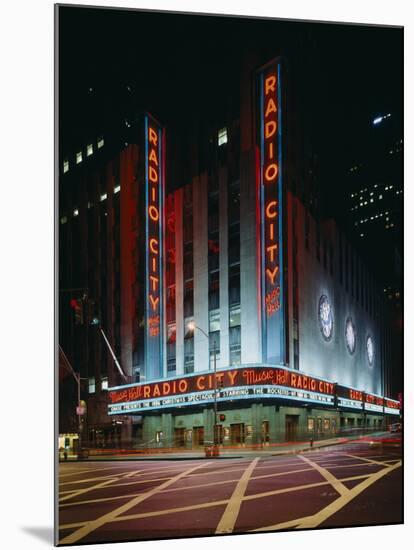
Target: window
x=235, y=345
x=214, y=290
x=100, y=142
x=214, y=348
x=63, y=219
x=234, y=244
x=171, y=348
x=76, y=212
x=188, y=355
x=104, y=383
x=117, y=189
x=79, y=157
x=188, y=260
x=222, y=137
x=65, y=166
x=170, y=305
x=311, y=424
x=188, y=298
x=234, y=284
x=89, y=150
x=214, y=320
x=234, y=320
x=213, y=251
x=104, y=196
x=91, y=385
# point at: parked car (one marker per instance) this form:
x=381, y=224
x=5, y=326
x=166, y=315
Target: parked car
x=394, y=428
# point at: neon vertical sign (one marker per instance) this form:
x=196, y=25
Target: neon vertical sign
x=270, y=208
x=154, y=231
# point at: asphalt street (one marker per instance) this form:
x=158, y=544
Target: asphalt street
x=349, y=484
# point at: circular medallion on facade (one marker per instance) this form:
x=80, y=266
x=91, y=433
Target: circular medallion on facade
x=325, y=317
x=370, y=350
x=350, y=337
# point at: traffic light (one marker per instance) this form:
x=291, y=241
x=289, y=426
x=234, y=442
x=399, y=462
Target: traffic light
x=77, y=307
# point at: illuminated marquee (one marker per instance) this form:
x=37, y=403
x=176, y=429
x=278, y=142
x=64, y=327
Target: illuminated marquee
x=373, y=403
x=231, y=384
x=154, y=214
x=270, y=204
x=391, y=406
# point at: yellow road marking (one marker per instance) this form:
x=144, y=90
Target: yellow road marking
x=175, y=489
x=87, y=480
x=152, y=514
x=336, y=483
x=82, y=491
x=366, y=459
x=88, y=470
x=229, y=517
x=211, y=504
x=339, y=503
x=111, y=516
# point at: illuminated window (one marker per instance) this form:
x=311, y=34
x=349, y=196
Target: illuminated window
x=91, y=385
x=188, y=355
x=76, y=212
x=214, y=320
x=311, y=424
x=104, y=383
x=235, y=345
x=104, y=196
x=222, y=136
x=89, y=150
x=117, y=189
x=79, y=157
x=65, y=166
x=234, y=316
x=100, y=142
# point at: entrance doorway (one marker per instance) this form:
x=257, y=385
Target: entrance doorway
x=291, y=427
x=198, y=436
x=179, y=437
x=265, y=431
x=236, y=434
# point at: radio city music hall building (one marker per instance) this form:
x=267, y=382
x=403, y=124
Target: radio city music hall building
x=225, y=288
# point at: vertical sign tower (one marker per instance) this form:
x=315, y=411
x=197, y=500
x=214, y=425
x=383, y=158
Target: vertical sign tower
x=154, y=247
x=270, y=212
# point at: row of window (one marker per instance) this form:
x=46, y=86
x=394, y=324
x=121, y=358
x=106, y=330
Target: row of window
x=79, y=155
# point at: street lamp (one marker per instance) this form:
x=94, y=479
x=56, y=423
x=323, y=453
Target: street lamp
x=79, y=409
x=192, y=326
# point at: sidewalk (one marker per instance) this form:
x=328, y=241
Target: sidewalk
x=274, y=449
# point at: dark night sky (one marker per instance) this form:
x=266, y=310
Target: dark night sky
x=179, y=64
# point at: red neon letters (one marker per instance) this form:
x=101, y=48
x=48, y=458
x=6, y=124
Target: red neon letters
x=270, y=170
x=153, y=183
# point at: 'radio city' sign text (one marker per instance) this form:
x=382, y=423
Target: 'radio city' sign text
x=224, y=379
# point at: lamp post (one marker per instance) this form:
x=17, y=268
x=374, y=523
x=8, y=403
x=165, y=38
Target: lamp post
x=79, y=411
x=192, y=326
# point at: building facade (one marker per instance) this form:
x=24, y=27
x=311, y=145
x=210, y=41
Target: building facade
x=225, y=294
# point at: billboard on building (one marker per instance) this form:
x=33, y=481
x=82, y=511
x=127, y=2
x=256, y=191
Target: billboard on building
x=154, y=244
x=270, y=211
